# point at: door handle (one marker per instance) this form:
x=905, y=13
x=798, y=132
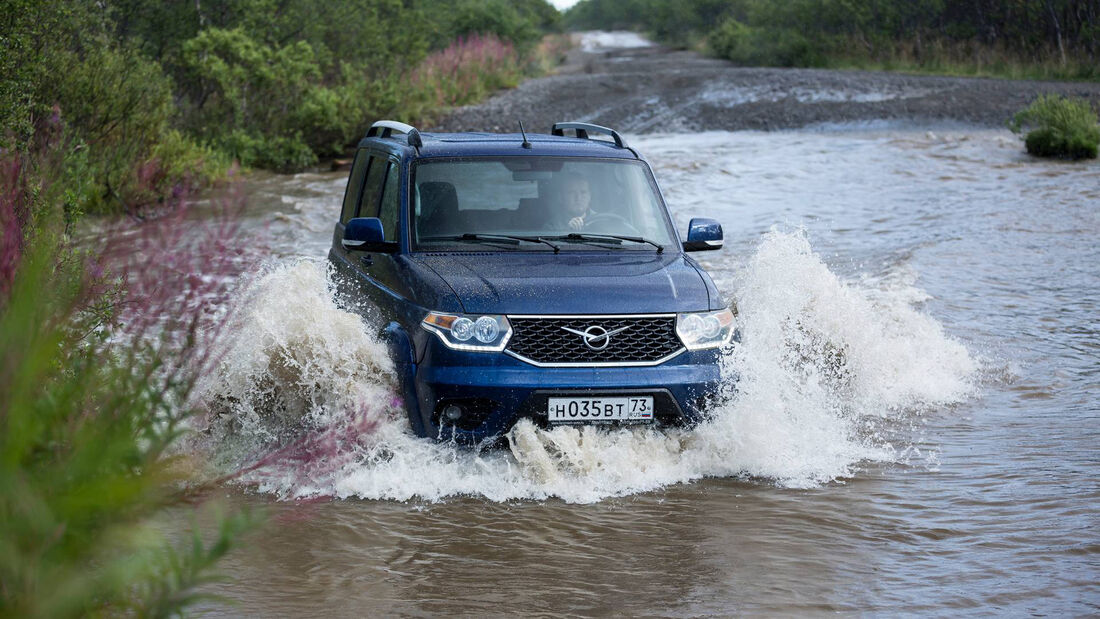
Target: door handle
x=366, y=260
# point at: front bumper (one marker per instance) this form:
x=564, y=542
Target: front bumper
x=495, y=389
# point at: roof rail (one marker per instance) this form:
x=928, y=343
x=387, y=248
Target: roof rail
x=384, y=128
x=583, y=129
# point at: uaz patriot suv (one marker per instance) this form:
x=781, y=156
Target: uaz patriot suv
x=529, y=276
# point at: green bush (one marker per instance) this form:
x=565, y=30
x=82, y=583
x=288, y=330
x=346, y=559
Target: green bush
x=493, y=17
x=187, y=163
x=960, y=37
x=91, y=394
x=83, y=437
x=1059, y=127
x=270, y=96
x=279, y=153
x=779, y=47
x=117, y=107
x=118, y=103
x=157, y=97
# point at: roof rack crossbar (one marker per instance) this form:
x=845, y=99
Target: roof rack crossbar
x=385, y=128
x=583, y=129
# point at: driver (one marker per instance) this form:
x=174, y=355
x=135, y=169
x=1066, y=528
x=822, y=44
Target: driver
x=576, y=199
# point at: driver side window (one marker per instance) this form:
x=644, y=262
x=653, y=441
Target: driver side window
x=388, y=209
x=372, y=190
x=355, y=186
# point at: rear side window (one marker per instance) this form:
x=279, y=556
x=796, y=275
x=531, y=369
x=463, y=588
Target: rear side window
x=376, y=175
x=388, y=210
x=355, y=184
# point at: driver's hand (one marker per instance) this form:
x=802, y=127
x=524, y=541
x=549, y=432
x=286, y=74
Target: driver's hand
x=577, y=223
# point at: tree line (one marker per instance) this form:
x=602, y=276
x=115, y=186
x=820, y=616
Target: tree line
x=1041, y=38
x=159, y=94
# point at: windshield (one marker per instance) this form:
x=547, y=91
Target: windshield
x=537, y=203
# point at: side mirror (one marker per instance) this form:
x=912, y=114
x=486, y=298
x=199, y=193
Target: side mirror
x=366, y=234
x=703, y=235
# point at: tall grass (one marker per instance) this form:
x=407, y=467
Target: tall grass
x=467, y=70
x=470, y=69
x=1059, y=127
x=962, y=58
x=790, y=47
x=549, y=53
x=99, y=351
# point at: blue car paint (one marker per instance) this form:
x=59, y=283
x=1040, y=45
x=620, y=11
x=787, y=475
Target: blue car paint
x=446, y=373
x=399, y=289
x=634, y=282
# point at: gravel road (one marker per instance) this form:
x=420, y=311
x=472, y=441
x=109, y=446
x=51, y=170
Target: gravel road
x=653, y=90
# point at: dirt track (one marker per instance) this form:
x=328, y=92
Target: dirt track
x=651, y=90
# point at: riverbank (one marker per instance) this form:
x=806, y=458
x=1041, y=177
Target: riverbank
x=653, y=89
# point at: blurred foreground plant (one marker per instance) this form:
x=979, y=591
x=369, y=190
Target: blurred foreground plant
x=99, y=351
x=1059, y=127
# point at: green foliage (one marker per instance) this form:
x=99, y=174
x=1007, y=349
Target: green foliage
x=280, y=88
x=280, y=153
x=177, y=574
x=1052, y=39
x=90, y=405
x=80, y=459
x=182, y=160
x=496, y=17
x=268, y=95
x=118, y=105
x=746, y=45
x=1059, y=127
x=159, y=96
x=466, y=71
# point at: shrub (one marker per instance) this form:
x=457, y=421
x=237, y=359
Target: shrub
x=98, y=354
x=257, y=100
x=1059, y=127
x=780, y=47
x=466, y=71
x=498, y=18
x=190, y=166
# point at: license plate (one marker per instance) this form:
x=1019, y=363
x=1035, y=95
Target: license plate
x=600, y=409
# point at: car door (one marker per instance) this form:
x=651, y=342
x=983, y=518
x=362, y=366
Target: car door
x=381, y=197
x=341, y=259
x=361, y=197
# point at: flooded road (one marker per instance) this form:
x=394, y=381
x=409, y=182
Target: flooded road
x=950, y=466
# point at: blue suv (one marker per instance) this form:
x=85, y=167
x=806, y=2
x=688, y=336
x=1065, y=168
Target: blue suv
x=530, y=276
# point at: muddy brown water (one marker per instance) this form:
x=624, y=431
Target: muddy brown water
x=955, y=472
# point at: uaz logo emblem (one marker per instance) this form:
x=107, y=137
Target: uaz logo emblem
x=595, y=336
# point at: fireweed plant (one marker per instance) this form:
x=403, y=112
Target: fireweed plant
x=467, y=70
x=100, y=349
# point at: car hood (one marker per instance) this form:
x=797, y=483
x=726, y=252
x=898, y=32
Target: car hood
x=571, y=283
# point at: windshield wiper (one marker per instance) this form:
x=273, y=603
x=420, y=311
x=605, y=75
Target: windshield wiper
x=607, y=238
x=498, y=238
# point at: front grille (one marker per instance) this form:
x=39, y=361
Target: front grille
x=645, y=339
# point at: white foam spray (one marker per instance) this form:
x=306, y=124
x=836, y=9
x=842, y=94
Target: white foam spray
x=302, y=376
x=822, y=363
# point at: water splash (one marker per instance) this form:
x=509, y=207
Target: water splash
x=303, y=387
x=823, y=364
x=820, y=357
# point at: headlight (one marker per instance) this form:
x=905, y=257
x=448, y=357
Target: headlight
x=700, y=330
x=475, y=333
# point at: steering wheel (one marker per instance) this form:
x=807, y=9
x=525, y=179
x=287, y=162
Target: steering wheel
x=611, y=223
